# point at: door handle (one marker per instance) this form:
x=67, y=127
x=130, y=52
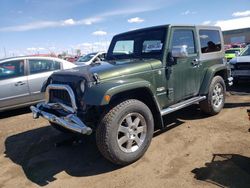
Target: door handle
x=195, y=62
x=20, y=83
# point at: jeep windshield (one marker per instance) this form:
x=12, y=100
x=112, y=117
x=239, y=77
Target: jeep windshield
x=140, y=44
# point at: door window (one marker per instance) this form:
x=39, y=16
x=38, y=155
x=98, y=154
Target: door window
x=11, y=69
x=183, y=37
x=210, y=41
x=40, y=66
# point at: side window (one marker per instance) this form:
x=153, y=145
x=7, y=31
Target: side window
x=210, y=41
x=124, y=47
x=40, y=66
x=184, y=37
x=11, y=69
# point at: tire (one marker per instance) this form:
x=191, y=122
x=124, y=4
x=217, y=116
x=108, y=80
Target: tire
x=125, y=132
x=215, y=98
x=60, y=128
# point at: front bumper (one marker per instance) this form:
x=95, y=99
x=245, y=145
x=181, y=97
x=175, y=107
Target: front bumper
x=68, y=119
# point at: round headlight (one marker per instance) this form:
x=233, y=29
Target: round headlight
x=82, y=86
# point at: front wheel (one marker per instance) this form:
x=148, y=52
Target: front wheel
x=125, y=132
x=215, y=98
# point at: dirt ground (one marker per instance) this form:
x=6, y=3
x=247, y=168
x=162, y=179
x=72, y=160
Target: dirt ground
x=193, y=151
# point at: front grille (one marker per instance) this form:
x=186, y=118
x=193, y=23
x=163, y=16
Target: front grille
x=61, y=96
x=242, y=66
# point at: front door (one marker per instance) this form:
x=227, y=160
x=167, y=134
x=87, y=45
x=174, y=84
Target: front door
x=183, y=80
x=13, y=84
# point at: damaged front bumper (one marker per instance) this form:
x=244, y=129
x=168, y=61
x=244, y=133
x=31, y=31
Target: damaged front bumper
x=69, y=121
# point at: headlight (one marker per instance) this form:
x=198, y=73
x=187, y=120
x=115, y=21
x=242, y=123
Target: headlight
x=82, y=86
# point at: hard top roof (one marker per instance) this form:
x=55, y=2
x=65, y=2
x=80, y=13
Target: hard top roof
x=168, y=26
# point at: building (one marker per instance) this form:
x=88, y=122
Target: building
x=237, y=36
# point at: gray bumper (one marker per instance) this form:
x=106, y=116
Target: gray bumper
x=70, y=121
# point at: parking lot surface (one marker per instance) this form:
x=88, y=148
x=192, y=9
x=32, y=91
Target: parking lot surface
x=193, y=151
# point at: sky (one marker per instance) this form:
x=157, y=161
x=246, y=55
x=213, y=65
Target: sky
x=46, y=26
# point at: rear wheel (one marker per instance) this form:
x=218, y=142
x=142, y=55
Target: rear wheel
x=125, y=132
x=215, y=98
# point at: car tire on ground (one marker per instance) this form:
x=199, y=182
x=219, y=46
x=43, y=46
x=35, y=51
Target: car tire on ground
x=125, y=132
x=215, y=98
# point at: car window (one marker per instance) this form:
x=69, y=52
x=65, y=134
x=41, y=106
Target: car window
x=11, y=69
x=210, y=41
x=124, y=47
x=184, y=38
x=39, y=66
x=246, y=51
x=146, y=44
x=86, y=58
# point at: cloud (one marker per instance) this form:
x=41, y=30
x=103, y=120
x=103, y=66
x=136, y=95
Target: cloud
x=87, y=47
x=71, y=22
x=127, y=11
x=231, y=24
x=35, y=49
x=135, y=20
x=188, y=12
x=208, y=22
x=241, y=14
x=99, y=33
x=50, y=24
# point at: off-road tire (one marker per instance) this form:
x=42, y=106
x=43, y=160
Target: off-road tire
x=207, y=106
x=108, y=129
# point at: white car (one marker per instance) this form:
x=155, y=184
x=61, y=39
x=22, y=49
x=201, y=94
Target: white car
x=240, y=65
x=90, y=58
x=21, y=79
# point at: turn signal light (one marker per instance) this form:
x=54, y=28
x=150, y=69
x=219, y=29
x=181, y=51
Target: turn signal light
x=107, y=98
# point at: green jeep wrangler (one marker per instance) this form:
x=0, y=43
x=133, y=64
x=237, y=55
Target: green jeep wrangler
x=148, y=73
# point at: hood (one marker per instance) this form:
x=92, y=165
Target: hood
x=76, y=73
x=110, y=69
x=240, y=59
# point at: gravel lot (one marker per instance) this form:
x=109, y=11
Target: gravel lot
x=193, y=151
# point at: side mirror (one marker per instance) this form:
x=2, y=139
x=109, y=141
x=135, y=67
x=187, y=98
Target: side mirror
x=180, y=51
